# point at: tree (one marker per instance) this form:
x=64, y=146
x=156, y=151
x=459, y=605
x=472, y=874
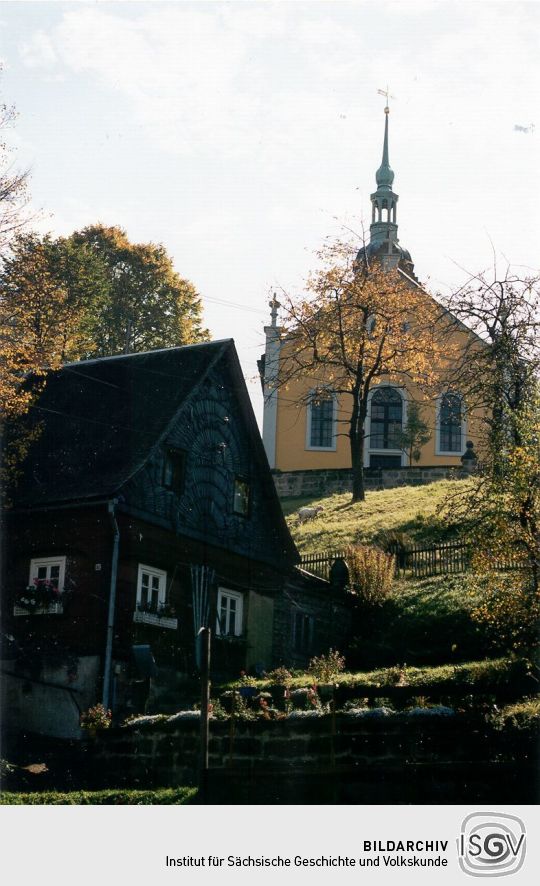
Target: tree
x=360, y=325
x=50, y=292
x=415, y=434
x=13, y=185
x=501, y=516
x=148, y=305
x=13, y=201
x=503, y=312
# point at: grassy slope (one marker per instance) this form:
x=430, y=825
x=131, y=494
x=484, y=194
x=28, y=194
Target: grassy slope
x=490, y=674
x=425, y=621
x=410, y=509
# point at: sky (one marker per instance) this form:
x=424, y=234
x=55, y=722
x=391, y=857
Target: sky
x=242, y=134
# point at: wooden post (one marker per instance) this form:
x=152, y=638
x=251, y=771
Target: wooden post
x=232, y=727
x=204, y=640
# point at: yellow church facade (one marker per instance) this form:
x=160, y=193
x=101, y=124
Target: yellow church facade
x=305, y=423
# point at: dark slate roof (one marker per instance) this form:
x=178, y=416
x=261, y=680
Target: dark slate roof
x=101, y=418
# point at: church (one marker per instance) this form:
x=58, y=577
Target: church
x=305, y=421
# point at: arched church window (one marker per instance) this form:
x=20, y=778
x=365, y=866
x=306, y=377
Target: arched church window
x=386, y=418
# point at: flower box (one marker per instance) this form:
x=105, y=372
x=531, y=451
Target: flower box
x=46, y=609
x=159, y=621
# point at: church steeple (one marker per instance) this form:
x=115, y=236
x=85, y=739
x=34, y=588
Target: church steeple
x=384, y=243
x=384, y=175
x=383, y=228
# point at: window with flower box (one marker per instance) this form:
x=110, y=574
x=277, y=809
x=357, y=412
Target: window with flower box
x=43, y=595
x=152, y=605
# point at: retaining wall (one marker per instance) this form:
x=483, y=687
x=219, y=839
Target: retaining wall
x=311, y=484
x=377, y=747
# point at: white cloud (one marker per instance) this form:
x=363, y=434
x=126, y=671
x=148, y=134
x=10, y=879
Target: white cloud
x=38, y=51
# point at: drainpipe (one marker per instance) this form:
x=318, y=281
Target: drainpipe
x=112, y=607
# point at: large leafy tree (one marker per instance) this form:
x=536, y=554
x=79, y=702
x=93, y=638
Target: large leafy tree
x=358, y=325
x=500, y=512
x=149, y=305
x=499, y=362
x=51, y=291
x=13, y=206
x=500, y=515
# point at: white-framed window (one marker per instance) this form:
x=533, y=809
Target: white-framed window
x=151, y=589
x=451, y=424
x=321, y=421
x=387, y=415
x=230, y=606
x=51, y=570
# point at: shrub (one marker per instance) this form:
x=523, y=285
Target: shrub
x=371, y=573
x=326, y=667
x=96, y=718
x=507, y=607
x=280, y=677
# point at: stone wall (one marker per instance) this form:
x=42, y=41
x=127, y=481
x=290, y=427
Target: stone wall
x=316, y=483
x=374, y=744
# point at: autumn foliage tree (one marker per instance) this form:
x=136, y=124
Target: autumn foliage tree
x=148, y=305
x=358, y=325
x=497, y=363
x=501, y=514
x=500, y=511
x=51, y=291
x=13, y=206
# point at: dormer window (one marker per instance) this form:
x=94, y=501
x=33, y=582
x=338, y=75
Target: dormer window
x=242, y=495
x=174, y=471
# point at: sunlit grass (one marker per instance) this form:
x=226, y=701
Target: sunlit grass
x=409, y=509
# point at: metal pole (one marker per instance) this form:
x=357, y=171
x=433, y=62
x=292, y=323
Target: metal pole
x=107, y=667
x=204, y=640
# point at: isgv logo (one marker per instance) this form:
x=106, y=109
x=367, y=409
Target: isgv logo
x=491, y=844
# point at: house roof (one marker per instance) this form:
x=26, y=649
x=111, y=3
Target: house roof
x=99, y=420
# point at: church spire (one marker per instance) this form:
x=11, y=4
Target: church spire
x=384, y=175
x=384, y=243
x=383, y=228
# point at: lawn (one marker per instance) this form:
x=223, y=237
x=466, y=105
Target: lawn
x=486, y=674
x=409, y=509
x=160, y=797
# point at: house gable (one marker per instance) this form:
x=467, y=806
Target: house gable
x=215, y=433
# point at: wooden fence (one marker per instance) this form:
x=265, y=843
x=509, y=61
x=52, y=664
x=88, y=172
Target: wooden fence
x=418, y=561
x=422, y=560
x=320, y=564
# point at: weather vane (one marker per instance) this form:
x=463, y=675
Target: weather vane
x=387, y=95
